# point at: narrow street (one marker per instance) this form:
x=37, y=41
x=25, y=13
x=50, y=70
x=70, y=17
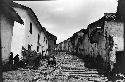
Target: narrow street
x=62, y=41
x=68, y=69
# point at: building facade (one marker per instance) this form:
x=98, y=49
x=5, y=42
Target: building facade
x=116, y=29
x=43, y=43
x=51, y=42
x=7, y=19
x=6, y=37
x=30, y=35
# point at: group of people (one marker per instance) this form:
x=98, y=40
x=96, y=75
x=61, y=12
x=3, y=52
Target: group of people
x=14, y=62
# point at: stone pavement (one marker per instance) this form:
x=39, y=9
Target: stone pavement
x=74, y=69
x=69, y=69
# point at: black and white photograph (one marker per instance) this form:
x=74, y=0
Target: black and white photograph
x=62, y=40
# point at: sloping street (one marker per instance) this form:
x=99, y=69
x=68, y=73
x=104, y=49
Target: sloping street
x=69, y=69
x=62, y=41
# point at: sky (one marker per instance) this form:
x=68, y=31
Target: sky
x=65, y=17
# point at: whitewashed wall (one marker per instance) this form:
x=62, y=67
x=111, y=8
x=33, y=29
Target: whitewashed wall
x=18, y=38
x=19, y=30
x=22, y=36
x=6, y=37
x=116, y=29
x=44, y=45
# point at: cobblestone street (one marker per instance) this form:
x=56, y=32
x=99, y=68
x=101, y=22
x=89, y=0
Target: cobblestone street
x=69, y=69
x=62, y=41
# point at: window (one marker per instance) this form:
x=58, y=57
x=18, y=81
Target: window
x=38, y=38
x=29, y=47
x=46, y=41
x=37, y=48
x=44, y=38
x=30, y=27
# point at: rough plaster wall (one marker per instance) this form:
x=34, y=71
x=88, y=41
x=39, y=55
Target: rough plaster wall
x=6, y=37
x=27, y=38
x=19, y=33
x=31, y=39
x=43, y=44
x=94, y=49
x=51, y=46
x=63, y=46
x=60, y=46
x=101, y=47
x=70, y=46
x=66, y=45
x=17, y=39
x=87, y=45
x=51, y=43
x=116, y=29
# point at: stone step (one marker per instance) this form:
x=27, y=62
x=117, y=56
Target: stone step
x=78, y=63
x=76, y=68
x=80, y=71
x=85, y=75
x=70, y=60
x=89, y=76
